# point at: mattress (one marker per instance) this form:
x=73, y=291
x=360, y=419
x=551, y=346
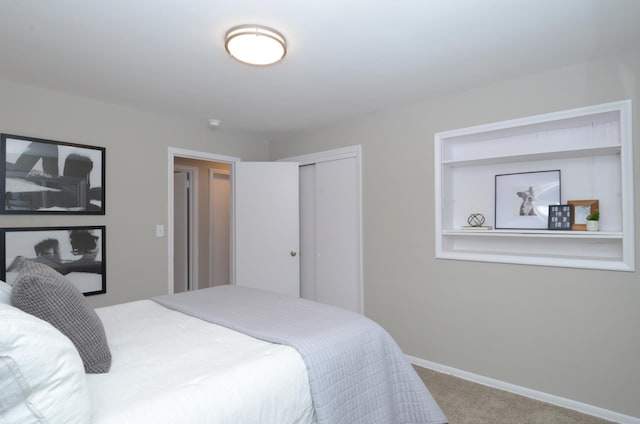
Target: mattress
x=169, y=367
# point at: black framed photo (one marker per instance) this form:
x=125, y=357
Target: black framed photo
x=50, y=177
x=78, y=253
x=560, y=217
x=523, y=199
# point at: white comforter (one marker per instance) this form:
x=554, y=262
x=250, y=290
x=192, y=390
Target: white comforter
x=169, y=367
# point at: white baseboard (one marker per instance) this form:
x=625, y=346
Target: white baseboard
x=523, y=391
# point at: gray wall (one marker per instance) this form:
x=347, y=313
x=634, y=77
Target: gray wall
x=568, y=332
x=136, y=168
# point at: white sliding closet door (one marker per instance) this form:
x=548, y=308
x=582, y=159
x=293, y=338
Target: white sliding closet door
x=308, y=231
x=330, y=218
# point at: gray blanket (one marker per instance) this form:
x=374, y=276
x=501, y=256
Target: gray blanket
x=357, y=373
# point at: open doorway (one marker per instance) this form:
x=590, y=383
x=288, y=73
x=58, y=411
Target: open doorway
x=325, y=232
x=199, y=221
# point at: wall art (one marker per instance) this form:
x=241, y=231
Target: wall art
x=40, y=176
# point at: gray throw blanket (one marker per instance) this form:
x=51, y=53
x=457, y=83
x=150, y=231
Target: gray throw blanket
x=357, y=372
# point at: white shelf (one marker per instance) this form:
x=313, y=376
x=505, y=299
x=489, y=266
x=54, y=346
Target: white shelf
x=592, y=147
x=535, y=233
x=557, y=154
x=610, y=265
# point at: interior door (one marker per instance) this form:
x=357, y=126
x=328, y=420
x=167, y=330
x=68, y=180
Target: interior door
x=266, y=226
x=220, y=232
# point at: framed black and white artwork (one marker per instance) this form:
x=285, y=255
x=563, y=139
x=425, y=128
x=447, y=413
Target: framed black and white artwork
x=523, y=199
x=50, y=177
x=78, y=253
x=560, y=217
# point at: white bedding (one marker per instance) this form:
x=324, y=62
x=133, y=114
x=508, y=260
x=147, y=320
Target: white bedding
x=168, y=367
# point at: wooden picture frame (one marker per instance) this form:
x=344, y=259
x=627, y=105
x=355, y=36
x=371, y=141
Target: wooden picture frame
x=560, y=217
x=40, y=176
x=580, y=210
x=76, y=252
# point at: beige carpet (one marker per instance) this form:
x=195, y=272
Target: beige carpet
x=464, y=402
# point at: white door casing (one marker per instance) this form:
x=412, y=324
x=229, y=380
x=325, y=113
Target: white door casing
x=192, y=224
x=266, y=226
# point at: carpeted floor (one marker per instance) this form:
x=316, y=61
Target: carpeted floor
x=464, y=402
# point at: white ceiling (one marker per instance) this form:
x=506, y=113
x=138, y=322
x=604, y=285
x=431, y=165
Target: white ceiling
x=345, y=57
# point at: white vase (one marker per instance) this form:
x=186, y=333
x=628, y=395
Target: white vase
x=593, y=225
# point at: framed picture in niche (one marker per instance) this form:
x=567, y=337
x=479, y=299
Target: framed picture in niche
x=78, y=253
x=581, y=209
x=40, y=176
x=522, y=200
x=560, y=217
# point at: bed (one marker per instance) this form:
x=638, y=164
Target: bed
x=162, y=357
x=221, y=355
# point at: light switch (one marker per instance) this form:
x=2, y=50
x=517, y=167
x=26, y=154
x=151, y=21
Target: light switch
x=159, y=230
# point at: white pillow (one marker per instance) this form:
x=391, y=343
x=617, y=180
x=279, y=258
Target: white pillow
x=5, y=293
x=42, y=377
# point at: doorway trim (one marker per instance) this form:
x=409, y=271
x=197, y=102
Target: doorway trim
x=336, y=154
x=192, y=173
x=174, y=152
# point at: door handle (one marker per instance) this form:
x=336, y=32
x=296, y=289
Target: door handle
x=292, y=253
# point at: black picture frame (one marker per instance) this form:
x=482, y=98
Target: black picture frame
x=39, y=176
x=522, y=199
x=78, y=253
x=560, y=217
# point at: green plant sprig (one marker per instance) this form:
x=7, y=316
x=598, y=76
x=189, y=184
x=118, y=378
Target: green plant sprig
x=594, y=216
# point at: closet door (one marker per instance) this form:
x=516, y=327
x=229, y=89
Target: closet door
x=330, y=235
x=308, y=231
x=267, y=226
x=337, y=234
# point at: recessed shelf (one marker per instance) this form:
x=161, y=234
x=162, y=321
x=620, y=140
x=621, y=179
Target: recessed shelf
x=557, y=154
x=592, y=147
x=534, y=233
x=541, y=260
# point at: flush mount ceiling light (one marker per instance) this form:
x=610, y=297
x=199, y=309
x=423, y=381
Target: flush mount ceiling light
x=255, y=45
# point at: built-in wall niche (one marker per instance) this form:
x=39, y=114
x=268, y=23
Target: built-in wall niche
x=592, y=148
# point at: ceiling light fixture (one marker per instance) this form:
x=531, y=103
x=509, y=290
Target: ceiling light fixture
x=255, y=45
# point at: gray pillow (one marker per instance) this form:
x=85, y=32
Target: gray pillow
x=46, y=294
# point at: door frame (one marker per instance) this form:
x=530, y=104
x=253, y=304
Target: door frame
x=354, y=151
x=174, y=152
x=192, y=173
